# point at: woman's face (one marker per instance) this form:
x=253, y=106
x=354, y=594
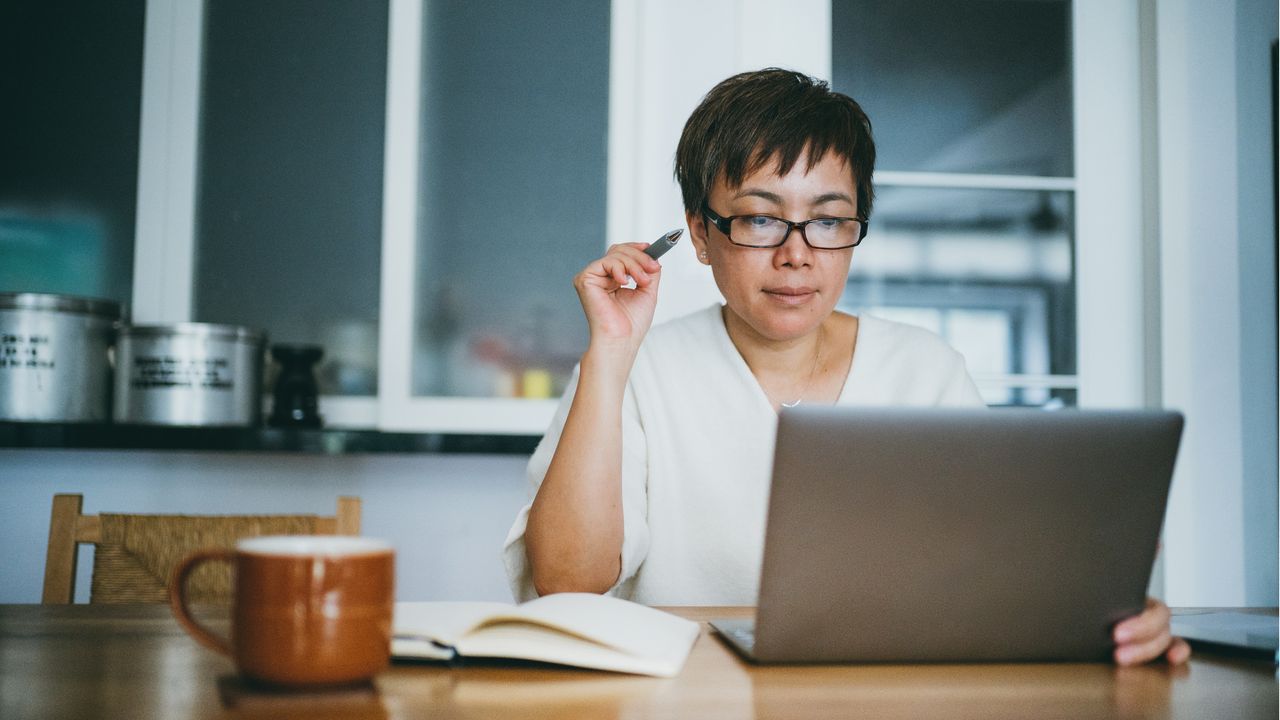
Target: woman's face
x=785, y=292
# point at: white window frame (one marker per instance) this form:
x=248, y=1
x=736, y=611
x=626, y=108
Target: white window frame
x=662, y=60
x=168, y=150
x=990, y=383
x=398, y=408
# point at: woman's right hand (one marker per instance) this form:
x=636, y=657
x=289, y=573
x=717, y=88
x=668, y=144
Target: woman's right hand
x=619, y=316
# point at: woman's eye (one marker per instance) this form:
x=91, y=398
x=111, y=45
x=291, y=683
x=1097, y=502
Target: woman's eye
x=828, y=223
x=759, y=220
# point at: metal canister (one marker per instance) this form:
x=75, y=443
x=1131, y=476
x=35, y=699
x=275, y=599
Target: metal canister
x=198, y=374
x=54, y=365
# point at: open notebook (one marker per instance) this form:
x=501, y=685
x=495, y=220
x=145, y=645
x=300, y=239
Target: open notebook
x=580, y=629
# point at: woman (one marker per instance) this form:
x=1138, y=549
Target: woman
x=652, y=480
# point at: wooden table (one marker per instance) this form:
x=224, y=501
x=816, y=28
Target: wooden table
x=133, y=661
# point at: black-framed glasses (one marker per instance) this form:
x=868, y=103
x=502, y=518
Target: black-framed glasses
x=767, y=231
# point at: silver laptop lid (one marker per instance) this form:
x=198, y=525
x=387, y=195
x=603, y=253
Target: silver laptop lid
x=938, y=535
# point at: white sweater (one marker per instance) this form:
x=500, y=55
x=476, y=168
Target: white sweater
x=697, y=453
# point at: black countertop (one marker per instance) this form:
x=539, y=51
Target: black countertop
x=115, y=436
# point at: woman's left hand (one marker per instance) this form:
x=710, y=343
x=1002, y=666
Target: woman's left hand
x=1145, y=637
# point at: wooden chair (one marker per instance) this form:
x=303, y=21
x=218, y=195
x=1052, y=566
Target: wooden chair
x=134, y=554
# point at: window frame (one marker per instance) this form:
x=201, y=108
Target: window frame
x=651, y=92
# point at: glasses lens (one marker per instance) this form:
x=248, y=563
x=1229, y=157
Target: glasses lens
x=757, y=230
x=833, y=232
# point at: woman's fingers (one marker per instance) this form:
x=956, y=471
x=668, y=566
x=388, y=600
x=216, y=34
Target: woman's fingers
x=1141, y=652
x=1179, y=652
x=1146, y=636
x=621, y=269
x=623, y=261
x=599, y=282
x=617, y=270
x=616, y=312
x=1148, y=624
x=609, y=274
x=635, y=253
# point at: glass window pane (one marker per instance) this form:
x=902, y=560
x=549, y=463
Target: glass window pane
x=969, y=86
x=290, y=205
x=984, y=336
x=71, y=83
x=999, y=395
x=514, y=122
x=989, y=270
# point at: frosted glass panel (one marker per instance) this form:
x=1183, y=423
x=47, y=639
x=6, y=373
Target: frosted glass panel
x=515, y=114
x=290, y=199
x=991, y=271
x=70, y=99
x=968, y=86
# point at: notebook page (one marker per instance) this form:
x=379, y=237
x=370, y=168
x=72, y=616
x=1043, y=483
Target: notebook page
x=639, y=630
x=443, y=622
x=533, y=642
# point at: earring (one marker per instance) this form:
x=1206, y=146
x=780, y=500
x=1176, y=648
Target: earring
x=702, y=255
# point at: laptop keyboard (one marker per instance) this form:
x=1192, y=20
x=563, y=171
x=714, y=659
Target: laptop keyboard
x=740, y=634
x=744, y=636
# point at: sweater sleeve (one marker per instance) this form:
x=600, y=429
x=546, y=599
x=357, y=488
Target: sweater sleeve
x=635, y=527
x=960, y=390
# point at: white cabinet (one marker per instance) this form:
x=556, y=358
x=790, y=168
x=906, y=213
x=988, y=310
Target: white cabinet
x=519, y=143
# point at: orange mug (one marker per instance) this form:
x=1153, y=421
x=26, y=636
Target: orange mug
x=307, y=610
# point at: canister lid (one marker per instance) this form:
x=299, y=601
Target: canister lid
x=211, y=331
x=60, y=303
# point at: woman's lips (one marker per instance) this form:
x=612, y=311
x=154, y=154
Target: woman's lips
x=789, y=295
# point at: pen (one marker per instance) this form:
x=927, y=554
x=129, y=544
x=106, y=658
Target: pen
x=663, y=244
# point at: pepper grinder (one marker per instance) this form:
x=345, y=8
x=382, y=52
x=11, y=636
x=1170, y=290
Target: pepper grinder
x=296, y=393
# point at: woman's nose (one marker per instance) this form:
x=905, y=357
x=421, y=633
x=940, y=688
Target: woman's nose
x=793, y=251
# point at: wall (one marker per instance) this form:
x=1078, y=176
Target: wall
x=1217, y=248
x=1255, y=205
x=446, y=514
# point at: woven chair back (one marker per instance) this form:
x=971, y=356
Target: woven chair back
x=137, y=554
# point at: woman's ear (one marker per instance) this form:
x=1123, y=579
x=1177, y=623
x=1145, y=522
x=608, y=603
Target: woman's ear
x=697, y=223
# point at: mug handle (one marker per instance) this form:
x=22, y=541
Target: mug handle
x=178, y=598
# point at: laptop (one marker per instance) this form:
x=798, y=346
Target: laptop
x=942, y=535
x=1244, y=631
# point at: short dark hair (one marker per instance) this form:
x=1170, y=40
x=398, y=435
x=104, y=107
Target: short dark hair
x=748, y=119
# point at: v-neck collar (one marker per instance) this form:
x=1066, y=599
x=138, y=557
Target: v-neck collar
x=744, y=370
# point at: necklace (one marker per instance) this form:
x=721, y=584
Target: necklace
x=817, y=352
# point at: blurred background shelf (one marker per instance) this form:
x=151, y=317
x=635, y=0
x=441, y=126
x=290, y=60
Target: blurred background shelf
x=109, y=436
